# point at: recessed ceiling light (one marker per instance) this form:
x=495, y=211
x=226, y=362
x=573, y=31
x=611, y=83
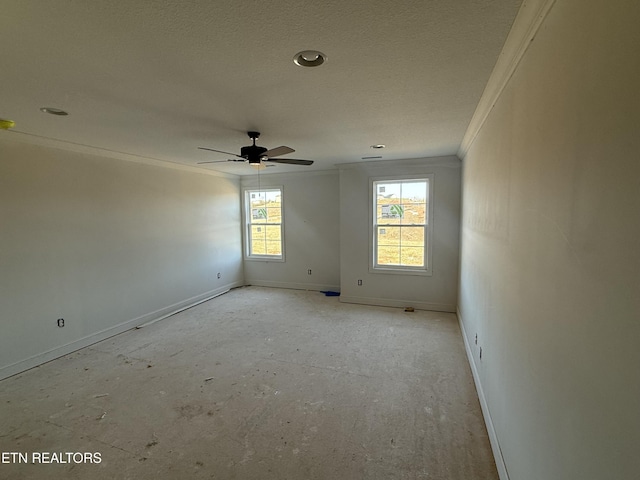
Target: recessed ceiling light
x=309, y=58
x=53, y=111
x=372, y=158
x=378, y=146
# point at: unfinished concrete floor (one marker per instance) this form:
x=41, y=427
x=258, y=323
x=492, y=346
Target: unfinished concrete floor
x=258, y=383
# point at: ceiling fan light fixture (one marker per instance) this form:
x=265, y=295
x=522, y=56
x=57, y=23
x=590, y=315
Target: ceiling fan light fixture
x=53, y=111
x=309, y=58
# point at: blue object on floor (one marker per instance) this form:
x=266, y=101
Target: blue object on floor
x=329, y=293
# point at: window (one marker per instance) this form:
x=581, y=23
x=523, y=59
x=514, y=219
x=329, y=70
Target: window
x=401, y=232
x=263, y=219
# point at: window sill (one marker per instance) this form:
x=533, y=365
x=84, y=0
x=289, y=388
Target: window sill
x=265, y=259
x=401, y=271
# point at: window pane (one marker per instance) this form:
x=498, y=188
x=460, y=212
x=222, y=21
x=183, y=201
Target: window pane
x=257, y=241
x=389, y=212
x=258, y=214
x=388, y=255
x=415, y=191
x=401, y=202
x=388, y=189
x=273, y=212
x=414, y=213
x=389, y=236
x=273, y=248
x=412, y=246
x=387, y=199
x=388, y=246
x=412, y=256
x=401, y=246
x=273, y=235
x=257, y=198
x=412, y=236
x=272, y=196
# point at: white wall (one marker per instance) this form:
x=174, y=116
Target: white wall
x=436, y=292
x=311, y=213
x=550, y=257
x=105, y=244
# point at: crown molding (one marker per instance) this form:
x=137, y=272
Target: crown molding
x=443, y=160
x=530, y=17
x=252, y=174
x=41, y=141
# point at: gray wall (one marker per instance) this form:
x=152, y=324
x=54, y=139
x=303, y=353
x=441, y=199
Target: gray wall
x=436, y=292
x=105, y=244
x=550, y=258
x=312, y=241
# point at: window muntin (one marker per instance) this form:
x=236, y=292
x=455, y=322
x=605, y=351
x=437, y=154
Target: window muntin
x=401, y=225
x=264, y=228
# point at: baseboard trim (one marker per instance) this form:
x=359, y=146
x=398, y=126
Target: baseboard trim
x=141, y=321
x=493, y=437
x=294, y=286
x=192, y=302
x=388, y=302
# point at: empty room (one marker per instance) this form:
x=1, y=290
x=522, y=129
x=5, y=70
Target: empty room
x=330, y=240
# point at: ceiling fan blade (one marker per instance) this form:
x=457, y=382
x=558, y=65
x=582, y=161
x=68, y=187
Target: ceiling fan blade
x=275, y=152
x=291, y=161
x=222, y=161
x=219, y=151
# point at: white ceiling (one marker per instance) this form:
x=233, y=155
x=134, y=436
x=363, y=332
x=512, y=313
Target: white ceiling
x=157, y=79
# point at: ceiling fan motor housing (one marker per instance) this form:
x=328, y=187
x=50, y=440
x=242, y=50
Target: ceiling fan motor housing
x=253, y=153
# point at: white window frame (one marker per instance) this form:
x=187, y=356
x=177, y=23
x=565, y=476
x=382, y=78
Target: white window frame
x=246, y=220
x=427, y=269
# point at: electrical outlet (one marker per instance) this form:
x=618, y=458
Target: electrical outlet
x=359, y=283
x=476, y=338
x=219, y=275
x=61, y=322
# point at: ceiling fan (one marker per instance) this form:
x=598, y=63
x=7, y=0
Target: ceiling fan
x=256, y=155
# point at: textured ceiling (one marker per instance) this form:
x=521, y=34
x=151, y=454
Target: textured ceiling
x=157, y=78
